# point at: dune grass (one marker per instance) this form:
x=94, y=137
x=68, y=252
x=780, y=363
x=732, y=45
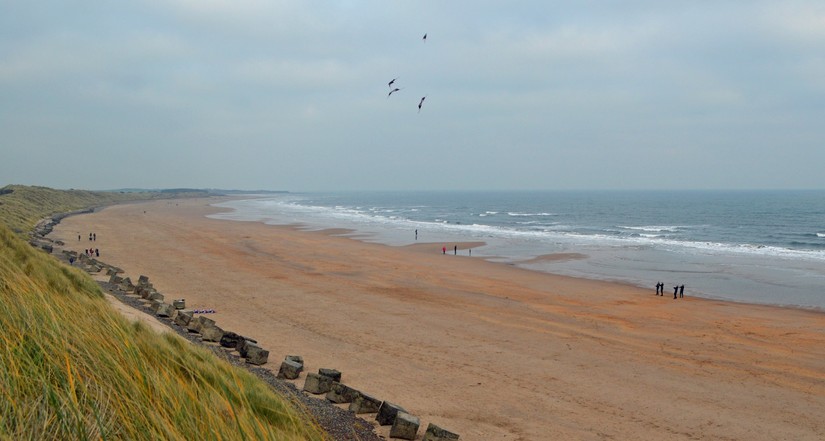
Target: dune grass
x=22, y=206
x=71, y=367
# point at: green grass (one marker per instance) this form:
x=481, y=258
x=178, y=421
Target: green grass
x=22, y=206
x=71, y=367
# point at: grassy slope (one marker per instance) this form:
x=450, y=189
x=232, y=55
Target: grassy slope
x=73, y=368
x=22, y=206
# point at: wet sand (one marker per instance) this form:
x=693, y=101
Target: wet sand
x=487, y=350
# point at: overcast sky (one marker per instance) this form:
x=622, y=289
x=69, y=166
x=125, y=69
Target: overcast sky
x=293, y=95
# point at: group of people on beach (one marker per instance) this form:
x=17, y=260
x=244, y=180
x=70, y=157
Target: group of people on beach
x=90, y=252
x=677, y=290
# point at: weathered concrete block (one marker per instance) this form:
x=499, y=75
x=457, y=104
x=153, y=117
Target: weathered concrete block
x=341, y=393
x=387, y=412
x=211, y=333
x=435, y=433
x=197, y=323
x=256, y=355
x=143, y=280
x=154, y=295
x=182, y=318
x=179, y=303
x=230, y=340
x=165, y=310
x=126, y=285
x=331, y=373
x=317, y=383
x=405, y=426
x=242, y=342
x=290, y=369
x=115, y=279
x=243, y=347
x=365, y=403
x=143, y=291
x=154, y=305
x=296, y=358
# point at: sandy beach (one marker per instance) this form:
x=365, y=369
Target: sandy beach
x=486, y=350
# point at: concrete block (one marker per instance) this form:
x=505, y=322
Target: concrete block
x=211, y=333
x=435, y=433
x=405, y=426
x=290, y=370
x=341, y=393
x=256, y=355
x=331, y=373
x=364, y=403
x=182, y=318
x=387, y=412
x=317, y=383
x=165, y=310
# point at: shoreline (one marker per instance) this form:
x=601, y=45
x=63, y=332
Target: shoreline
x=479, y=347
x=711, y=268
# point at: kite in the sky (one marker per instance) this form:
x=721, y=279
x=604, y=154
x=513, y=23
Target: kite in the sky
x=420, y=103
x=391, y=82
x=393, y=91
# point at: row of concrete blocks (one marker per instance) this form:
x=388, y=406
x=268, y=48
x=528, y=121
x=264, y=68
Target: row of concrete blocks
x=328, y=381
x=89, y=264
x=199, y=324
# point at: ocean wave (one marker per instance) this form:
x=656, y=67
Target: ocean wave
x=653, y=228
x=517, y=214
x=530, y=230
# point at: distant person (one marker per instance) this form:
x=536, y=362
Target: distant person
x=97, y=252
x=416, y=234
x=681, y=291
x=455, y=250
x=90, y=236
x=94, y=237
x=71, y=260
x=675, y=290
x=444, y=250
x=658, y=287
x=470, y=251
x=78, y=238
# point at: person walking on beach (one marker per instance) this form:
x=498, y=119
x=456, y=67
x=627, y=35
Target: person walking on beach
x=455, y=250
x=416, y=234
x=675, y=290
x=658, y=287
x=681, y=291
x=444, y=250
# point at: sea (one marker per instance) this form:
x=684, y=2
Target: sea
x=765, y=247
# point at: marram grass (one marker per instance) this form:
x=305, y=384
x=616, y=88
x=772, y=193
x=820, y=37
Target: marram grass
x=73, y=368
x=21, y=206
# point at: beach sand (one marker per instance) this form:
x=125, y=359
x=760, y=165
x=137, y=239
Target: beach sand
x=486, y=350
